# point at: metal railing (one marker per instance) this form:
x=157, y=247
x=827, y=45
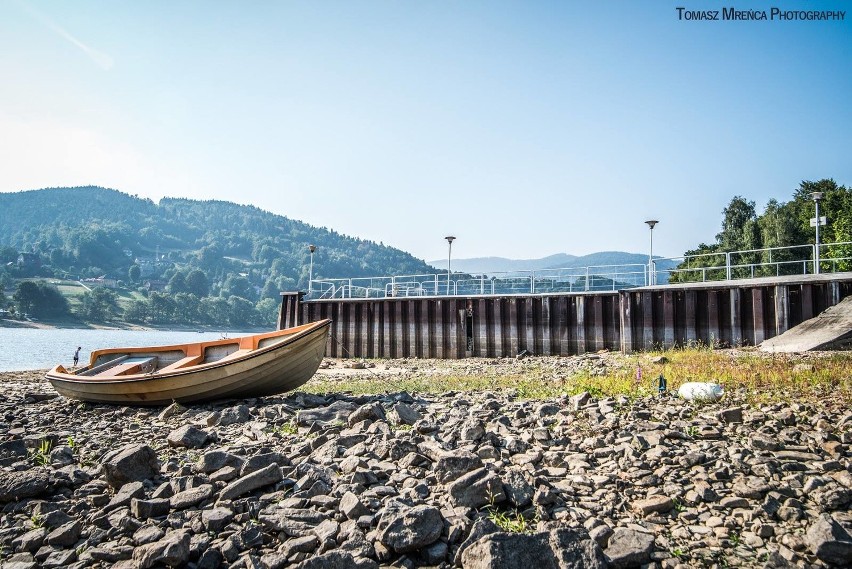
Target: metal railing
x=753, y=263
x=597, y=278
x=731, y=265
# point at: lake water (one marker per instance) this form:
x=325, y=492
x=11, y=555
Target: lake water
x=28, y=348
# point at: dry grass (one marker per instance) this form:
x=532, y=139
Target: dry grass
x=753, y=376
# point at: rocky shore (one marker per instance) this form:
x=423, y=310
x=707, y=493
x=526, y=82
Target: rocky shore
x=475, y=480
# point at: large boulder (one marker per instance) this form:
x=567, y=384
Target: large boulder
x=410, y=529
x=829, y=541
x=562, y=548
x=24, y=484
x=629, y=548
x=172, y=550
x=476, y=489
x=131, y=463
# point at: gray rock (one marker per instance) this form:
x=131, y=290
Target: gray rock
x=410, y=529
x=148, y=533
x=653, y=504
x=25, y=484
x=336, y=413
x=218, y=459
x=562, y=548
x=629, y=548
x=191, y=497
x=212, y=558
x=30, y=541
x=188, y=436
x=518, y=491
x=453, y=464
x=130, y=463
x=352, y=507
x=250, y=482
x=12, y=451
x=172, y=550
x=144, y=509
x=125, y=494
x=829, y=541
x=172, y=410
x=216, y=519
x=404, y=414
x=233, y=415
x=476, y=489
x=731, y=415
x=336, y=560
x=65, y=535
x=259, y=461
x=369, y=411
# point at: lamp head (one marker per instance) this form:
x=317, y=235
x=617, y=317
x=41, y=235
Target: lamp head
x=816, y=196
x=312, y=248
x=450, y=239
x=652, y=222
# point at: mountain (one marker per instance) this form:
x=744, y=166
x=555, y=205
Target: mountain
x=492, y=265
x=93, y=232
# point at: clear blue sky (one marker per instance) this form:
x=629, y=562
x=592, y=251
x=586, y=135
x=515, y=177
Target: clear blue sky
x=523, y=128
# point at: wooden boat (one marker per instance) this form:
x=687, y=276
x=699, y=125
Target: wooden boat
x=249, y=366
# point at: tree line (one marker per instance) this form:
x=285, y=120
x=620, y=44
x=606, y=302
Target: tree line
x=781, y=224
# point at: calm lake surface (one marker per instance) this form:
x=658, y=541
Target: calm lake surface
x=27, y=348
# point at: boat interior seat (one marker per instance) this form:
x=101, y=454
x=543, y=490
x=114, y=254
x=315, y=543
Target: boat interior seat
x=235, y=355
x=130, y=366
x=185, y=362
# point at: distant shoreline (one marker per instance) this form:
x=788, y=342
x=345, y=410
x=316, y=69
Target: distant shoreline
x=21, y=324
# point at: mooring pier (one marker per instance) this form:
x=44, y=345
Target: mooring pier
x=738, y=312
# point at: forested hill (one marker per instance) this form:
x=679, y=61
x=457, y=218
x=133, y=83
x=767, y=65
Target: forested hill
x=92, y=231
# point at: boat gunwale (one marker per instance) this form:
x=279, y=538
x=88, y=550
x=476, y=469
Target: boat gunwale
x=310, y=328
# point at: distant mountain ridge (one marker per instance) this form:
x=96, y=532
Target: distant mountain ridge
x=491, y=265
x=92, y=231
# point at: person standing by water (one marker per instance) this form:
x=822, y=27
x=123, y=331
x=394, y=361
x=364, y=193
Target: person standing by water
x=77, y=356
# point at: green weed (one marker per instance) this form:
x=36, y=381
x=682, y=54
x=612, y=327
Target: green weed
x=41, y=455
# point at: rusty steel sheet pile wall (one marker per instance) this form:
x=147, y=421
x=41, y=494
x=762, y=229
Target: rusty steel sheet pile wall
x=564, y=324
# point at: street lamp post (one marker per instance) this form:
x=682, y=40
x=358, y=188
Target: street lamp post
x=311, y=248
x=450, y=240
x=651, y=223
x=816, y=222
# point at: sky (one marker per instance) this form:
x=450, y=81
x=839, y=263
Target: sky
x=524, y=129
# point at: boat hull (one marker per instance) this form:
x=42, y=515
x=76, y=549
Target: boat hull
x=276, y=369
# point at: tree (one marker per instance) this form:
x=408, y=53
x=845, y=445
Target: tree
x=40, y=299
x=237, y=285
x=136, y=311
x=177, y=283
x=197, y=283
x=187, y=308
x=216, y=310
x=734, y=235
x=241, y=311
x=134, y=273
x=267, y=311
x=161, y=307
x=99, y=304
x=27, y=297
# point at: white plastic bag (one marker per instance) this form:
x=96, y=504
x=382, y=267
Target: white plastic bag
x=701, y=391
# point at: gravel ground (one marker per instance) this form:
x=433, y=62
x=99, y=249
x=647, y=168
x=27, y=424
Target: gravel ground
x=470, y=479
